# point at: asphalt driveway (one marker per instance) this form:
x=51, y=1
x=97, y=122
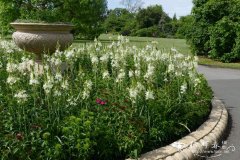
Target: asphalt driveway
x=226, y=86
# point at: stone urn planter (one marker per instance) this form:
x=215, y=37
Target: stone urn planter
x=41, y=38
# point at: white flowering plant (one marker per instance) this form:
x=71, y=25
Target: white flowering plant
x=96, y=101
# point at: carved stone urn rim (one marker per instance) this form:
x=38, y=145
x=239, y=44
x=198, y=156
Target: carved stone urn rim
x=38, y=27
x=40, y=38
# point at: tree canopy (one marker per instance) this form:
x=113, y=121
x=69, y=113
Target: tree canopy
x=147, y=22
x=87, y=15
x=120, y=21
x=215, y=29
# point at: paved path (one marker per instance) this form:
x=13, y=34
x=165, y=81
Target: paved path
x=226, y=86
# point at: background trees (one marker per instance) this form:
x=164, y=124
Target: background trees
x=120, y=21
x=87, y=15
x=91, y=18
x=147, y=22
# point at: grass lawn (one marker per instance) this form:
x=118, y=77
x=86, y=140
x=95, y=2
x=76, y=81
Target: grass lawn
x=167, y=43
x=213, y=63
x=164, y=43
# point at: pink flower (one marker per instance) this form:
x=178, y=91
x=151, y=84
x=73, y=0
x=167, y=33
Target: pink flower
x=98, y=100
x=101, y=102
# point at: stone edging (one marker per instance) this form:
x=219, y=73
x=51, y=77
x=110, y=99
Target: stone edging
x=191, y=146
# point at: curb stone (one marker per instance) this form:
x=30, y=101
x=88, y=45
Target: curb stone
x=191, y=146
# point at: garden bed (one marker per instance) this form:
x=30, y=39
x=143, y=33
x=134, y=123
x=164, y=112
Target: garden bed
x=109, y=102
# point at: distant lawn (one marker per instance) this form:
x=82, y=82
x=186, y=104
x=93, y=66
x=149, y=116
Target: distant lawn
x=167, y=43
x=213, y=63
x=164, y=43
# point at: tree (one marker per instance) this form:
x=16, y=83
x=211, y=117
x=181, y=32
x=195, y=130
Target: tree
x=87, y=15
x=222, y=39
x=153, y=17
x=185, y=27
x=214, y=30
x=150, y=16
x=120, y=21
x=132, y=5
x=174, y=17
x=8, y=13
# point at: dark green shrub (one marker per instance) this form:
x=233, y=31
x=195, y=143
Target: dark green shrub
x=222, y=39
x=236, y=47
x=213, y=29
x=149, y=32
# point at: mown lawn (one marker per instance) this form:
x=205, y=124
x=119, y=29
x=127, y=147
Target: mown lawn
x=167, y=43
x=214, y=63
x=164, y=43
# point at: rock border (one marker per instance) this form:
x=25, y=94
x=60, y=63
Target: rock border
x=192, y=146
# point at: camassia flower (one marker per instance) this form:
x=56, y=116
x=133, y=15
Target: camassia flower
x=21, y=96
x=183, y=88
x=87, y=89
x=12, y=80
x=48, y=86
x=120, y=76
x=149, y=95
x=106, y=75
x=33, y=79
x=133, y=93
x=196, y=81
x=65, y=84
x=94, y=59
x=11, y=67
x=150, y=72
x=69, y=54
x=57, y=93
x=104, y=58
x=130, y=73
x=58, y=76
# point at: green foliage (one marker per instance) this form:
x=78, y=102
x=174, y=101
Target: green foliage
x=147, y=22
x=78, y=136
x=236, y=47
x=185, y=27
x=86, y=15
x=150, y=16
x=222, y=39
x=153, y=31
x=119, y=21
x=214, y=28
x=154, y=22
x=8, y=13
